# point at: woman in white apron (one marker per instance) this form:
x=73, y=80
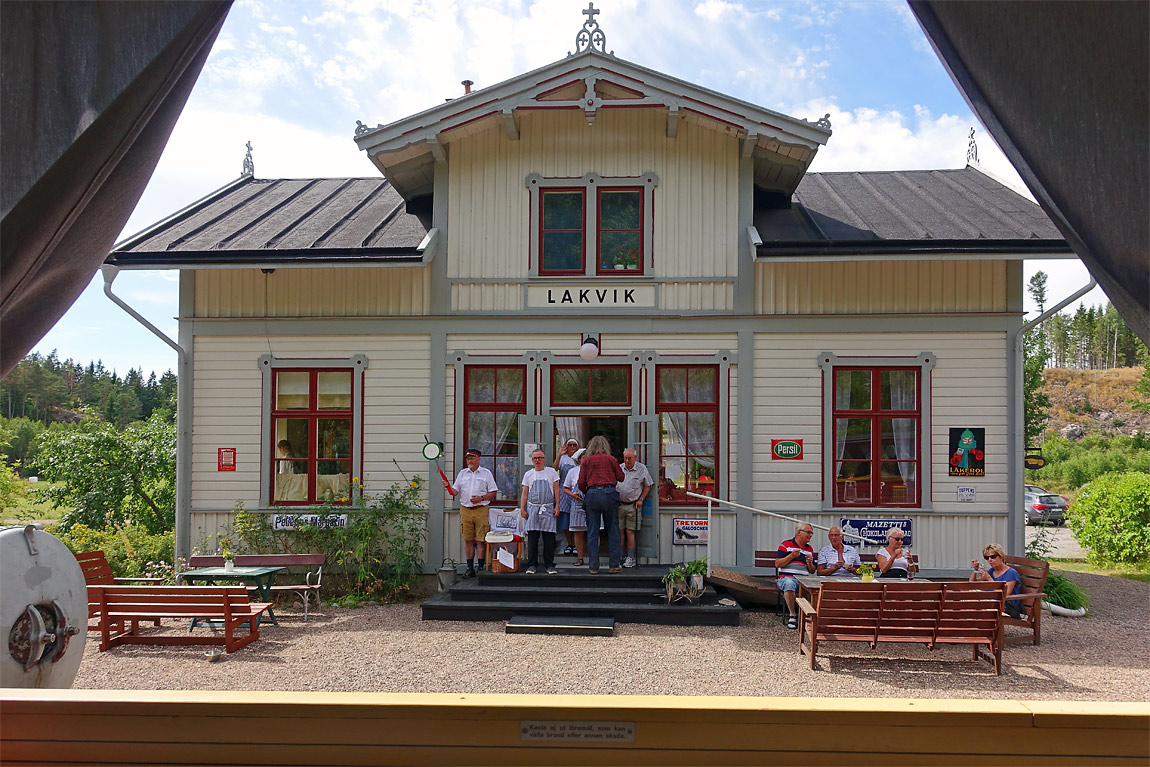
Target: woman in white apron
x=539, y=505
x=577, y=525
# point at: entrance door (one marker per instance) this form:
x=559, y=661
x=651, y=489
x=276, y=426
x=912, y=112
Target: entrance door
x=644, y=438
x=535, y=432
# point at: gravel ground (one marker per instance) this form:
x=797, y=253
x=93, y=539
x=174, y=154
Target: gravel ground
x=1062, y=543
x=389, y=649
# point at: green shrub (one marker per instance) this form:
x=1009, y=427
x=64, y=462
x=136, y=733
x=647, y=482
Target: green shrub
x=1064, y=592
x=131, y=551
x=377, y=556
x=1111, y=518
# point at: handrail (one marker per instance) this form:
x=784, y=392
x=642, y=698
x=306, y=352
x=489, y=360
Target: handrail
x=711, y=500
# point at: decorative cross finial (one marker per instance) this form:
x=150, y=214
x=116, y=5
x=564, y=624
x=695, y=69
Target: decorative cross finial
x=591, y=37
x=249, y=165
x=971, y=150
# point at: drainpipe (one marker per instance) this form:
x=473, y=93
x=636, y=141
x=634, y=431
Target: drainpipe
x=183, y=417
x=1017, y=532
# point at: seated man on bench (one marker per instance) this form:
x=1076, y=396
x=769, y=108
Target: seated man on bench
x=794, y=557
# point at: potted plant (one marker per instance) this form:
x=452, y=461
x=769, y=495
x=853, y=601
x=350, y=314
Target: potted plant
x=673, y=582
x=866, y=573
x=697, y=568
x=627, y=260
x=226, y=553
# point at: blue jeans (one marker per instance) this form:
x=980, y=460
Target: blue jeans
x=602, y=502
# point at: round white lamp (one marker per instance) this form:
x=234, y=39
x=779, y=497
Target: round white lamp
x=589, y=350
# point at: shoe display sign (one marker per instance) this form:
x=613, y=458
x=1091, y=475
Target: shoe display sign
x=689, y=532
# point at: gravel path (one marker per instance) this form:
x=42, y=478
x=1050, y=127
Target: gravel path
x=1062, y=542
x=389, y=649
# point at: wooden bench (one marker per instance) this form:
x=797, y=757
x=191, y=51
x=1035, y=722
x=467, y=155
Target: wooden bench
x=313, y=562
x=97, y=572
x=122, y=608
x=924, y=613
x=1033, y=573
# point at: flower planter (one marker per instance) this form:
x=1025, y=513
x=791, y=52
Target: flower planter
x=229, y=565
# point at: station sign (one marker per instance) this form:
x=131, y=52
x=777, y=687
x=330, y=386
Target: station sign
x=786, y=449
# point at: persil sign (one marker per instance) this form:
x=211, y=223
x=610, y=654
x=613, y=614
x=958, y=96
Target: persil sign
x=786, y=449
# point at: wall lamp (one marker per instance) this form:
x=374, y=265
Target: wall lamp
x=590, y=348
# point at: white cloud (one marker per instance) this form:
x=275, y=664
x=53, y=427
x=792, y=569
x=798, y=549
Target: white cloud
x=716, y=10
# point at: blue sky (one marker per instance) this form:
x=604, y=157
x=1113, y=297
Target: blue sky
x=293, y=78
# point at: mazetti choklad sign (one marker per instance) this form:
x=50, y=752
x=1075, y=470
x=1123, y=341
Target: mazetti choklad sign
x=786, y=449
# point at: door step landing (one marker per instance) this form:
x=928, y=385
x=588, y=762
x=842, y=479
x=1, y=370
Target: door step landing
x=561, y=625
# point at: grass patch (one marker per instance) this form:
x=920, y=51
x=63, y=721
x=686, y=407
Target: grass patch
x=1130, y=572
x=27, y=508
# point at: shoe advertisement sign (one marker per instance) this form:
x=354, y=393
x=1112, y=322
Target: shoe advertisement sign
x=689, y=532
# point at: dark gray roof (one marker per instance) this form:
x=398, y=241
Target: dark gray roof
x=283, y=221
x=903, y=211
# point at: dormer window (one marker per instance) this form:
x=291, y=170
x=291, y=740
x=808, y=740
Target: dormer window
x=591, y=226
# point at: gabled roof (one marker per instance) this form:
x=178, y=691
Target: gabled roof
x=285, y=221
x=591, y=81
x=913, y=213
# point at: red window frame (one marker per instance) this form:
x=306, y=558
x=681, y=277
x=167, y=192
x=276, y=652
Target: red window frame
x=689, y=407
x=312, y=415
x=494, y=407
x=591, y=385
x=600, y=230
x=876, y=414
x=543, y=270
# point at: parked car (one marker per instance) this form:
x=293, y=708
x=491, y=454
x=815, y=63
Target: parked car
x=1045, y=507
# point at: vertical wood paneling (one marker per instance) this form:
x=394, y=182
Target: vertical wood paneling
x=722, y=536
x=342, y=292
x=228, y=409
x=695, y=210
x=880, y=287
x=968, y=388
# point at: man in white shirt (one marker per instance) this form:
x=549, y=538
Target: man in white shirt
x=633, y=490
x=476, y=488
x=836, y=558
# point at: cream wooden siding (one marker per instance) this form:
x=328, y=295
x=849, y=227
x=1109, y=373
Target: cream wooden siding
x=695, y=203
x=968, y=388
x=871, y=287
x=722, y=536
x=227, y=411
x=318, y=292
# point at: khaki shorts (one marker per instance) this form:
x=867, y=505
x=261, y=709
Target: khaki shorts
x=473, y=523
x=630, y=515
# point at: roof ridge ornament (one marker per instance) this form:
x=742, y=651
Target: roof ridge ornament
x=591, y=37
x=824, y=121
x=361, y=129
x=971, y=149
x=249, y=164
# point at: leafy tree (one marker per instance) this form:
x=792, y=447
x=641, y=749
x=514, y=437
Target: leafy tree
x=18, y=443
x=1141, y=401
x=1036, y=405
x=110, y=477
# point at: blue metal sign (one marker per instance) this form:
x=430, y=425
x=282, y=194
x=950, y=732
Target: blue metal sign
x=874, y=530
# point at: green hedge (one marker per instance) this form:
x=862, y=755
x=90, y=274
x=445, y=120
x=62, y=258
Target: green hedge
x=1111, y=518
x=132, y=551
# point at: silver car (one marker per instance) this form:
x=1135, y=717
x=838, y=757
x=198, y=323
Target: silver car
x=1043, y=507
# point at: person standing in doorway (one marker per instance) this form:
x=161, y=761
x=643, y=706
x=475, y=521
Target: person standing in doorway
x=599, y=476
x=476, y=488
x=539, y=505
x=564, y=463
x=578, y=520
x=633, y=491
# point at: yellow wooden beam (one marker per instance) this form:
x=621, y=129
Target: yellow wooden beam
x=174, y=727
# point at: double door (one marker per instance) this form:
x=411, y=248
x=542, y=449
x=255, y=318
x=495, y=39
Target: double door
x=621, y=430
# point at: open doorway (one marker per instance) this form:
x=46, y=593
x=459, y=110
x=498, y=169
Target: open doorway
x=584, y=427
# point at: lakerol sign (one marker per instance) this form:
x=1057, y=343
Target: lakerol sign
x=786, y=449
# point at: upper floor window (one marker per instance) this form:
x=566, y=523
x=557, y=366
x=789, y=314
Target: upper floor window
x=591, y=226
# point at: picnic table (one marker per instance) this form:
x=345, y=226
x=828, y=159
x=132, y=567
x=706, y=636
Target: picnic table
x=260, y=577
x=809, y=585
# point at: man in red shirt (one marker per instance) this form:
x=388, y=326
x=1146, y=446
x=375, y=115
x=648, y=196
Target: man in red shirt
x=599, y=473
x=794, y=557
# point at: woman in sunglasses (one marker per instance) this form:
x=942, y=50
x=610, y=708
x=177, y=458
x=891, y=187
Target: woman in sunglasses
x=894, y=559
x=998, y=570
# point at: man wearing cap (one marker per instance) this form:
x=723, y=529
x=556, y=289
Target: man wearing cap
x=476, y=489
x=564, y=462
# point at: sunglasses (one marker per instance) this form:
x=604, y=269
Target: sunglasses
x=989, y=557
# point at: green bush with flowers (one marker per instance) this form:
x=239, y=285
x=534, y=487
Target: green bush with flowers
x=131, y=551
x=377, y=556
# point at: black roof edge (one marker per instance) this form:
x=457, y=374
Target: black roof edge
x=912, y=248
x=241, y=258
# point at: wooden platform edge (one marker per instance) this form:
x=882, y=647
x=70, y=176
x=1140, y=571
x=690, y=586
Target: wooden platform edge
x=196, y=727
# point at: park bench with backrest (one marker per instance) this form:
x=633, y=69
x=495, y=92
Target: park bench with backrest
x=923, y=613
x=122, y=608
x=313, y=575
x=97, y=571
x=1033, y=573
